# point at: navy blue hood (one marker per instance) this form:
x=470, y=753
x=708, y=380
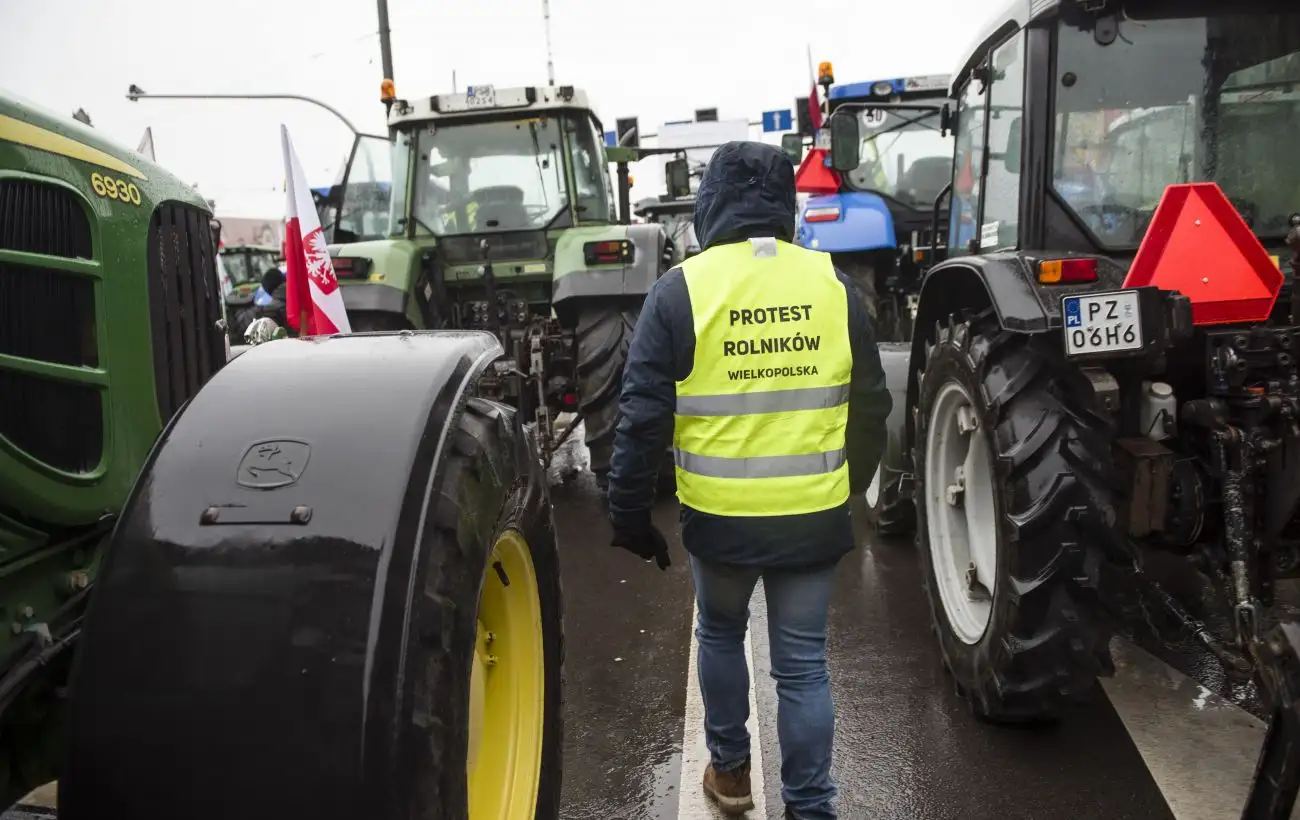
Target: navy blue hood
x=747, y=191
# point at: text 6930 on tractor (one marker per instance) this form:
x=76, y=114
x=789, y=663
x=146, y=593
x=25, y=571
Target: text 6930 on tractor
x=504, y=220
x=878, y=219
x=1102, y=396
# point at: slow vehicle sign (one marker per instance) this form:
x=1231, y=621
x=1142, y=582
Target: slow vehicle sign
x=1102, y=323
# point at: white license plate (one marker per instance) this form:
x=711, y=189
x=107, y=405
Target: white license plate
x=1102, y=323
x=481, y=96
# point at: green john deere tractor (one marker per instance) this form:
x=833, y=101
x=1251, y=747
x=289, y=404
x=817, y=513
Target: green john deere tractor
x=260, y=613
x=88, y=231
x=504, y=220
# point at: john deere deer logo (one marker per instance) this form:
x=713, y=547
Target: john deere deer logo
x=271, y=464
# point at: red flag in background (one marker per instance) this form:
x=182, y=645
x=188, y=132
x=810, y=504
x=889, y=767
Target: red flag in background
x=814, y=108
x=297, y=299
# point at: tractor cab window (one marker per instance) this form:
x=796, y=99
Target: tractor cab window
x=485, y=177
x=968, y=168
x=368, y=191
x=590, y=176
x=1000, y=223
x=238, y=268
x=904, y=156
x=1212, y=98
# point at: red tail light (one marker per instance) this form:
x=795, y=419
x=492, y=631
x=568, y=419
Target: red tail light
x=829, y=213
x=350, y=267
x=608, y=252
x=1067, y=271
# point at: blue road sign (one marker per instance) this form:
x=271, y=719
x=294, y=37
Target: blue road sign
x=611, y=139
x=777, y=121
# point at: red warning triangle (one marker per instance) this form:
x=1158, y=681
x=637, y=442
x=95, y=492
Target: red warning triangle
x=814, y=177
x=1200, y=246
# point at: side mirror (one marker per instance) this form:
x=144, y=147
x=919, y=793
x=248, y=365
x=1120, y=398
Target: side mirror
x=945, y=120
x=1011, y=157
x=792, y=145
x=678, y=175
x=846, y=141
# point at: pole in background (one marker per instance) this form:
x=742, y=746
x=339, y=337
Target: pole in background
x=385, y=46
x=546, y=20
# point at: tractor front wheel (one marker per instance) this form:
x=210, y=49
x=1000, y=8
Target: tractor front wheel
x=488, y=676
x=1009, y=454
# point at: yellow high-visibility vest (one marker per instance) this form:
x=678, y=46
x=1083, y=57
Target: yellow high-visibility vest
x=760, y=420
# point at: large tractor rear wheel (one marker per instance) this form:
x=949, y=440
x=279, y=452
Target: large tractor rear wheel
x=1009, y=454
x=341, y=624
x=604, y=335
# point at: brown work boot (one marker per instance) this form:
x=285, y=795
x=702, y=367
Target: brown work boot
x=730, y=790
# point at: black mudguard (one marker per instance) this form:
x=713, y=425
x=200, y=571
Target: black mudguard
x=1008, y=283
x=894, y=357
x=245, y=649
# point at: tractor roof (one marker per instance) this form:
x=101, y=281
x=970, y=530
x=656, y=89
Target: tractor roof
x=935, y=83
x=521, y=101
x=1015, y=15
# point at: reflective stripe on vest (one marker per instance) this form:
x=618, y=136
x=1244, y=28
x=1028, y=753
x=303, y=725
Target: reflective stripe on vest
x=759, y=426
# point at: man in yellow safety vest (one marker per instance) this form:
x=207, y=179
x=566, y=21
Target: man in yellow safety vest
x=756, y=357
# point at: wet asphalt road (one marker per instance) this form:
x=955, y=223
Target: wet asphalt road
x=906, y=746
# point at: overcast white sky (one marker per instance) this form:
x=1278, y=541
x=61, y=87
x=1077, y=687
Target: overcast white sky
x=657, y=60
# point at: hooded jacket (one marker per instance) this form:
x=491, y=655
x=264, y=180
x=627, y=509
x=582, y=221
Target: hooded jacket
x=747, y=191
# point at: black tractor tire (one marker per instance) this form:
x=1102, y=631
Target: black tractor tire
x=604, y=334
x=863, y=275
x=889, y=510
x=1045, y=642
x=482, y=495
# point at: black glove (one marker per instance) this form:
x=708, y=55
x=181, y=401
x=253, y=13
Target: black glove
x=644, y=540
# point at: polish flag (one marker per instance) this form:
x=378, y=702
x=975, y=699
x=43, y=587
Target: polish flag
x=314, y=304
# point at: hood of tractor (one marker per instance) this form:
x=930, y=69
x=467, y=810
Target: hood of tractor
x=45, y=136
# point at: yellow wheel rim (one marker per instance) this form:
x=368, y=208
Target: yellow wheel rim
x=507, y=688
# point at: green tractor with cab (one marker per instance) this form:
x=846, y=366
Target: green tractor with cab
x=504, y=219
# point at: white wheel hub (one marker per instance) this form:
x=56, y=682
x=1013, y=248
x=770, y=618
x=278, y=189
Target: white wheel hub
x=960, y=512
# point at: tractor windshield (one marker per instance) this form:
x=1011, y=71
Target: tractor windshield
x=1171, y=100
x=500, y=175
x=904, y=156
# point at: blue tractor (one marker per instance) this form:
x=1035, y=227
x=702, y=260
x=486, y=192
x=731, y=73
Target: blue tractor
x=877, y=220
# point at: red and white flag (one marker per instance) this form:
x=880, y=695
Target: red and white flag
x=313, y=302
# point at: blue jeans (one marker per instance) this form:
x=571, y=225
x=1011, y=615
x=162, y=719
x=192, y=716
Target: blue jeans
x=797, y=606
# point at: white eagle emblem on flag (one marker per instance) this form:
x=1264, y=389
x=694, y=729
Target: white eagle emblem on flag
x=319, y=267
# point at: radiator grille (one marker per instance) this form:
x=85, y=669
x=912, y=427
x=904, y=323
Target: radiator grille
x=58, y=423
x=40, y=218
x=187, y=343
x=47, y=315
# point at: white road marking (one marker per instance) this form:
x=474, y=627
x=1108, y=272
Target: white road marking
x=1200, y=748
x=692, y=804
